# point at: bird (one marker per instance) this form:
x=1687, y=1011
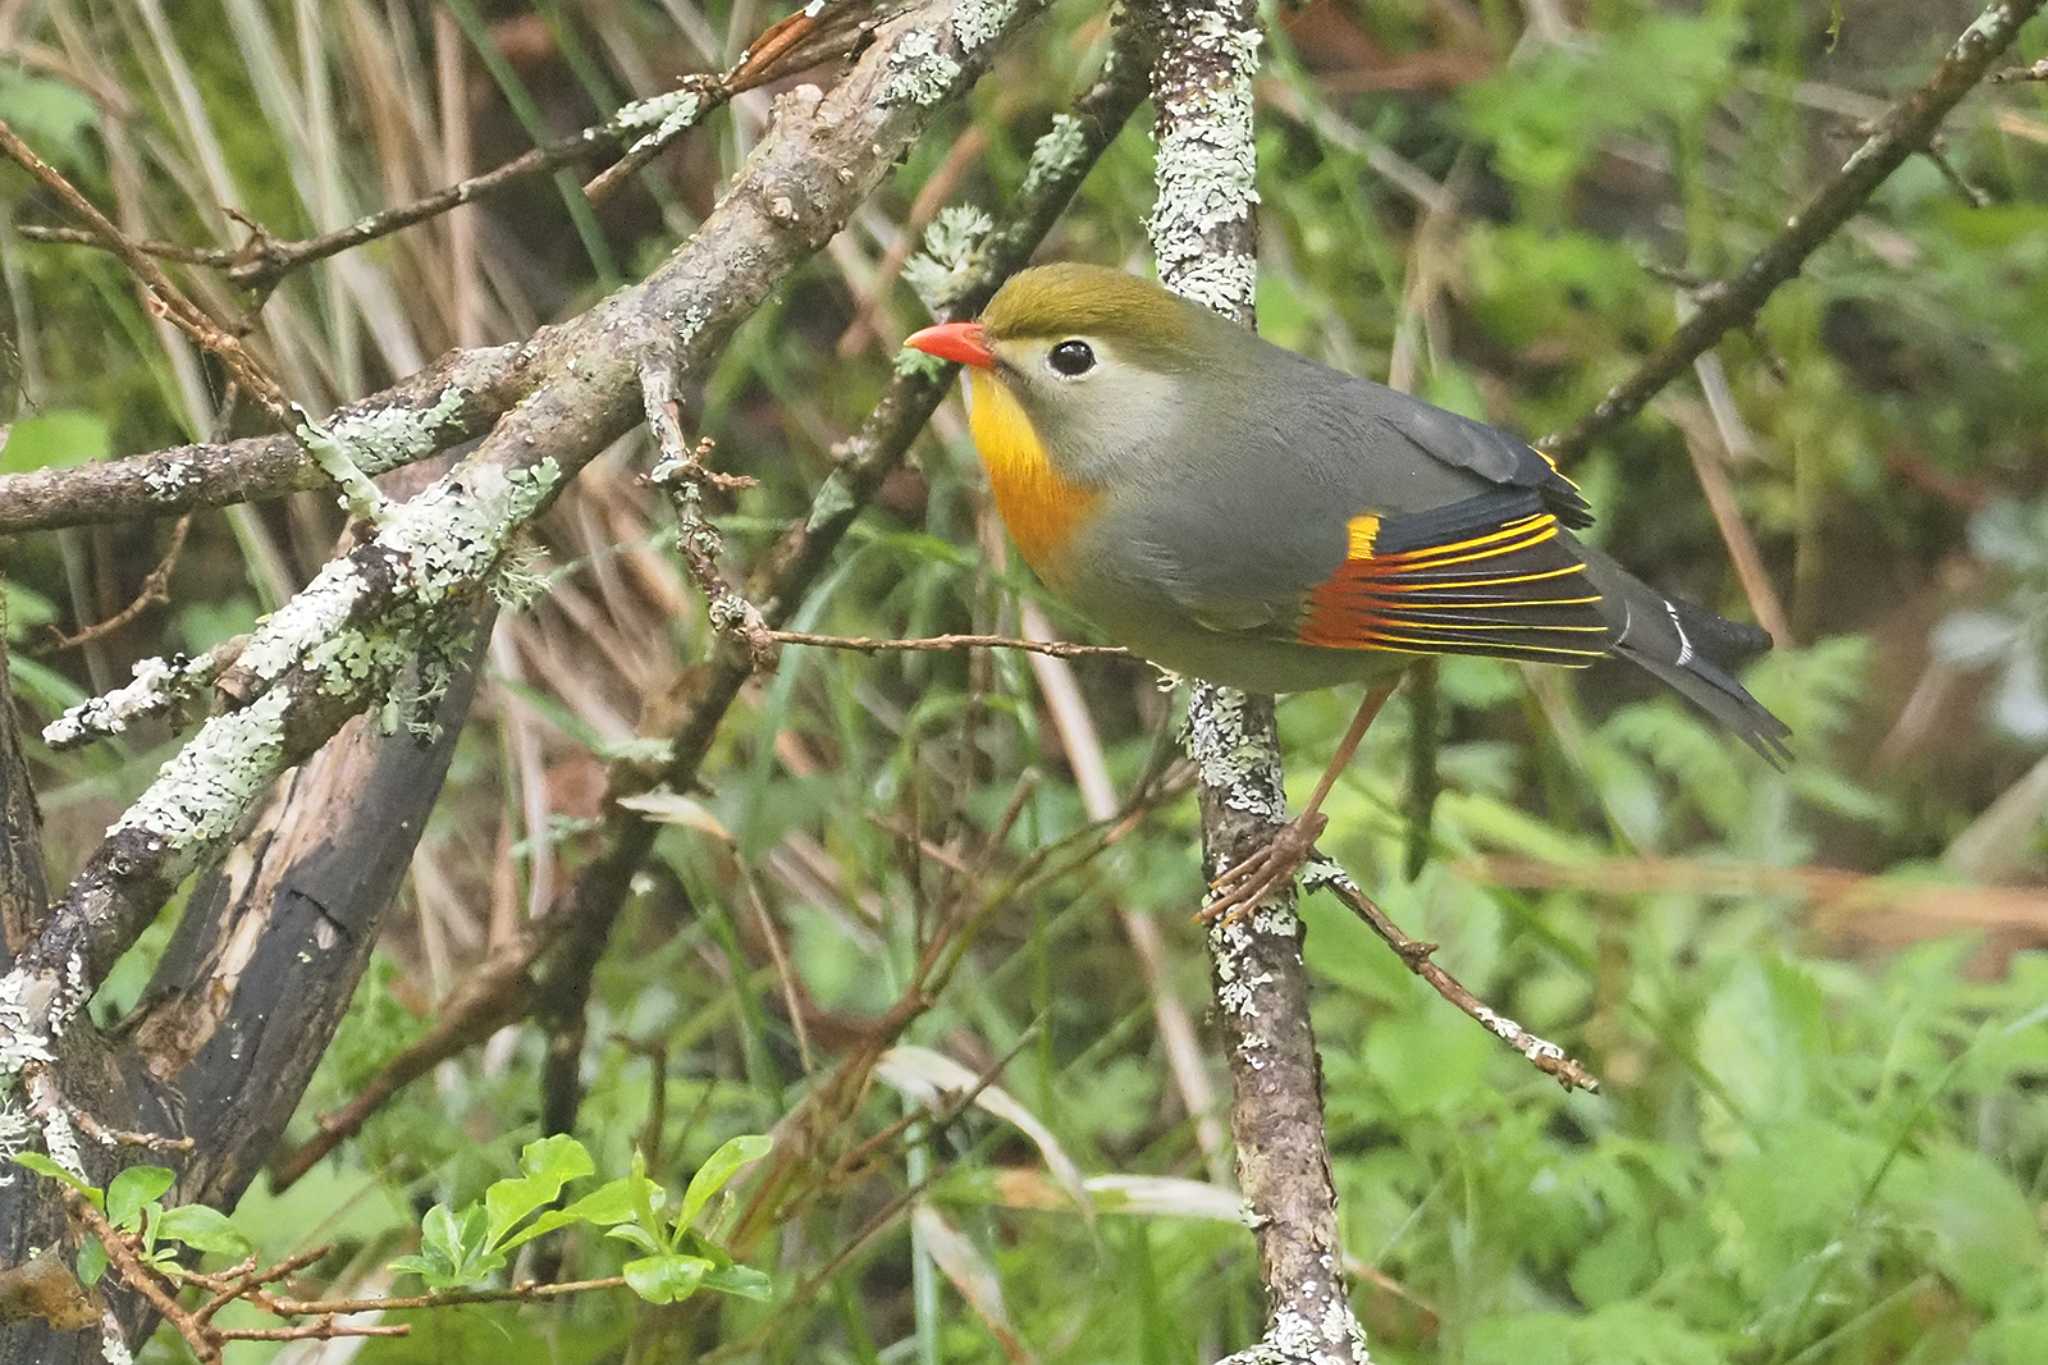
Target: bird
x=1231, y=510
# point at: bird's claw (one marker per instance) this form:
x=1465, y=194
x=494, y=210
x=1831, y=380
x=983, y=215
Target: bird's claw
x=1238, y=889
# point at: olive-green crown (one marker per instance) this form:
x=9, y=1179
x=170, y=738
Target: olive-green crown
x=1070, y=299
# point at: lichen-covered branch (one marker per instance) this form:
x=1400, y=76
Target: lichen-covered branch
x=457, y=398
x=1204, y=234
x=336, y=648
x=1906, y=128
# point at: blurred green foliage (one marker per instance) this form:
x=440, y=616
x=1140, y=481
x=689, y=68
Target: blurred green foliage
x=1824, y=1131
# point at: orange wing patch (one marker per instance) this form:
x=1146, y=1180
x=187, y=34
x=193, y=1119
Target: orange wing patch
x=1487, y=576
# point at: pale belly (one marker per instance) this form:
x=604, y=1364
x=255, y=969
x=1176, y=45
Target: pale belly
x=1156, y=630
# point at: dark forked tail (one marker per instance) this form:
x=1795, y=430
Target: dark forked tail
x=1689, y=648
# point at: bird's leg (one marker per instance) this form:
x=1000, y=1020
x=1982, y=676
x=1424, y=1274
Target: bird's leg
x=1243, y=886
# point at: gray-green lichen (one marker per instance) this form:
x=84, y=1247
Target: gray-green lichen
x=1331, y=1337
x=15, y=1134
x=946, y=265
x=113, y=1344
x=22, y=1036
x=1207, y=172
x=447, y=540
x=908, y=361
x=1055, y=152
x=157, y=685
x=60, y=1140
x=166, y=479
x=664, y=116
x=337, y=460
x=201, y=793
x=1228, y=756
x=920, y=72
x=385, y=438
x=442, y=541
x=977, y=22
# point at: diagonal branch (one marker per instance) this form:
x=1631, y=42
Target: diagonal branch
x=1907, y=127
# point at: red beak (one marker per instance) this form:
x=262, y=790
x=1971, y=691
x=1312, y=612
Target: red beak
x=961, y=341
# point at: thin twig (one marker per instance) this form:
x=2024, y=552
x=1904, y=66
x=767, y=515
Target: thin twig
x=130, y=1270
x=1416, y=955
x=1058, y=649
x=155, y=592
x=165, y=298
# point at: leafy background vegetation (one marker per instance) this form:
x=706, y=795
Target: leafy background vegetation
x=1824, y=1133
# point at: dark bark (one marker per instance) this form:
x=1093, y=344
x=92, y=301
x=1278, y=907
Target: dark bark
x=24, y=892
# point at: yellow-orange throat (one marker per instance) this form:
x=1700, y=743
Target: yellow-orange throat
x=1041, y=508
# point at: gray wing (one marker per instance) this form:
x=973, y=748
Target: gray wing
x=1494, y=455
x=1241, y=518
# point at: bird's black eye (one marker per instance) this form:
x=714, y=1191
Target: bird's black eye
x=1071, y=358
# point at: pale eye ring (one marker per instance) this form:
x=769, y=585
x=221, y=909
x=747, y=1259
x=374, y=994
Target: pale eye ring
x=1071, y=358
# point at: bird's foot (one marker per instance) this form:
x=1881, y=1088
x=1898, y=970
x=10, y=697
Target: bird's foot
x=1240, y=889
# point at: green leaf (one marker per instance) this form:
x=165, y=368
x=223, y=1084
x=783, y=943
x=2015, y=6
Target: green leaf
x=667, y=1278
x=440, y=1234
x=612, y=1202
x=717, y=1171
x=607, y=1205
x=92, y=1262
x=638, y=1236
x=51, y=116
x=57, y=438
x=131, y=1189
x=742, y=1281
x=559, y=1157
x=548, y=1164
x=42, y=1165
x=203, y=1229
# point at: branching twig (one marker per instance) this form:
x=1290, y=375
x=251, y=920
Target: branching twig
x=155, y=592
x=1906, y=128
x=683, y=473
x=165, y=298
x=1547, y=1057
x=129, y=1269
